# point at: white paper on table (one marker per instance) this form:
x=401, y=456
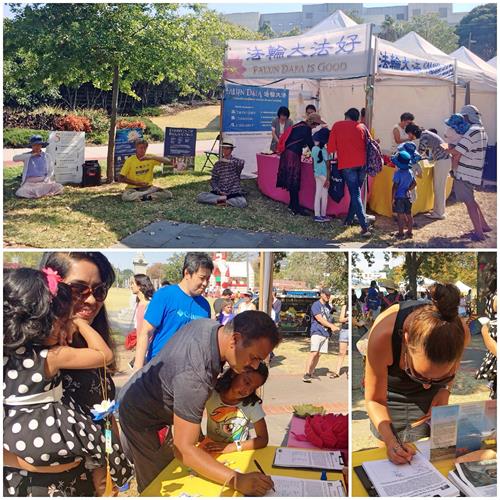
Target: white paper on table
x=418, y=479
x=293, y=487
x=297, y=458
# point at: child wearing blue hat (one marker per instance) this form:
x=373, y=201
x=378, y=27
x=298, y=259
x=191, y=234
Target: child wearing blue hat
x=321, y=174
x=403, y=182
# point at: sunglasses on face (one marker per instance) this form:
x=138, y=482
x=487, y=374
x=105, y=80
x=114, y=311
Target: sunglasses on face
x=441, y=382
x=82, y=292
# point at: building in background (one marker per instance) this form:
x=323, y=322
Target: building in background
x=311, y=15
x=238, y=276
x=140, y=264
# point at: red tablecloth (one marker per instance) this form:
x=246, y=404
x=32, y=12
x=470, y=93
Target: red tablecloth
x=297, y=426
x=267, y=171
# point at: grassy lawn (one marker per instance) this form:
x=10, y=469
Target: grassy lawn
x=96, y=217
x=204, y=118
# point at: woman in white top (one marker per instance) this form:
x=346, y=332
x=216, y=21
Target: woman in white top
x=38, y=172
x=398, y=132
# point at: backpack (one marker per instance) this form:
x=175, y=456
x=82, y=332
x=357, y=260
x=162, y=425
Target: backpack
x=374, y=159
x=280, y=148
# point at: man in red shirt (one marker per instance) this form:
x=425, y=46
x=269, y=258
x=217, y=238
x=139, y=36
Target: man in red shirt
x=348, y=140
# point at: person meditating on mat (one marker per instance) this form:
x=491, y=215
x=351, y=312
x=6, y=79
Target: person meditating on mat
x=414, y=352
x=38, y=172
x=232, y=408
x=137, y=173
x=225, y=181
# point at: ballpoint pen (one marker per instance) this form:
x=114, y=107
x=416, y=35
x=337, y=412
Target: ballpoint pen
x=398, y=439
x=261, y=470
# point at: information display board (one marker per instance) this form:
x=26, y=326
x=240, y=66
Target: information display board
x=67, y=149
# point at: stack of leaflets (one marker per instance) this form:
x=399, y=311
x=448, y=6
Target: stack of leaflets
x=475, y=479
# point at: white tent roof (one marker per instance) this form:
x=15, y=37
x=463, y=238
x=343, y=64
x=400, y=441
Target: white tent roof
x=493, y=61
x=462, y=287
x=466, y=56
x=337, y=20
x=414, y=43
x=481, y=81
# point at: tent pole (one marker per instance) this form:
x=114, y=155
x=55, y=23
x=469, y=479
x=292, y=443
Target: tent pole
x=455, y=88
x=266, y=281
x=370, y=83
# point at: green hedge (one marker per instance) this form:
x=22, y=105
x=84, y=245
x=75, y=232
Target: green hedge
x=153, y=132
x=20, y=137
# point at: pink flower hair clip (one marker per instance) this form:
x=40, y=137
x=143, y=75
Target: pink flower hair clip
x=53, y=279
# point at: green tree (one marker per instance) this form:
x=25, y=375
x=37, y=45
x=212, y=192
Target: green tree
x=295, y=31
x=390, y=29
x=478, y=31
x=435, y=30
x=113, y=46
x=24, y=259
x=172, y=270
x=266, y=31
x=316, y=269
x=486, y=274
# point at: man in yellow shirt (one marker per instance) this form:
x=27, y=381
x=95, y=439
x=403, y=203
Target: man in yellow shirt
x=137, y=173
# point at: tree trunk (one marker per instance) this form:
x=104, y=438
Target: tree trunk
x=486, y=272
x=412, y=271
x=110, y=171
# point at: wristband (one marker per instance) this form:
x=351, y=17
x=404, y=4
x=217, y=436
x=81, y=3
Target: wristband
x=238, y=445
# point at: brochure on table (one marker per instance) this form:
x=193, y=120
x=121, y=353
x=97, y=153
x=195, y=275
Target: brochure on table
x=460, y=429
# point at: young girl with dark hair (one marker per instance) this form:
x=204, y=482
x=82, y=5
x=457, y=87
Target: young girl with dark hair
x=38, y=428
x=414, y=352
x=321, y=165
x=233, y=406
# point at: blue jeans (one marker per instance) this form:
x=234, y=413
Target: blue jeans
x=354, y=178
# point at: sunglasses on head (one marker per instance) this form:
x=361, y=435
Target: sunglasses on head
x=82, y=292
x=441, y=382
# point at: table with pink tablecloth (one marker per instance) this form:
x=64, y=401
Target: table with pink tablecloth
x=267, y=172
x=297, y=428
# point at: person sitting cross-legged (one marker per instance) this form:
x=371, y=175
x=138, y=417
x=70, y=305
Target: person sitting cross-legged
x=225, y=182
x=137, y=173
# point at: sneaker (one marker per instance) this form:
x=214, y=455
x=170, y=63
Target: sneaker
x=432, y=215
x=318, y=218
x=365, y=233
x=326, y=218
x=307, y=378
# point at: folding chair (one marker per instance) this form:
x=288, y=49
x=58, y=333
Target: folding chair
x=211, y=156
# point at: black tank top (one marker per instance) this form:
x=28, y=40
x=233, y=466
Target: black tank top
x=400, y=387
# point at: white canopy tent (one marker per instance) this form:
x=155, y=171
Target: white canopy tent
x=337, y=20
x=493, y=61
x=468, y=57
x=481, y=80
x=338, y=75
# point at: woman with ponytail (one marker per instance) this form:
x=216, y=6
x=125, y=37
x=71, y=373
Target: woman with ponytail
x=414, y=352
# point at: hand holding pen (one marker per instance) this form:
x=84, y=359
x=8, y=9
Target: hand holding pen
x=399, y=453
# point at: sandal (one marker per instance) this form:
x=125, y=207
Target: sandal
x=334, y=375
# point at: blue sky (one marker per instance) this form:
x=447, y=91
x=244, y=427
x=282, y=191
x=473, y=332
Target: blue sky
x=123, y=260
x=267, y=7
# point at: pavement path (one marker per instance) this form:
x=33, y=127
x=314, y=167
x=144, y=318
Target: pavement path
x=170, y=234
x=101, y=152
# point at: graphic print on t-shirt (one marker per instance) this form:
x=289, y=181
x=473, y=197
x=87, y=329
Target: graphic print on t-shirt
x=230, y=423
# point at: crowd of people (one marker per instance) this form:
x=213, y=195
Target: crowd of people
x=61, y=437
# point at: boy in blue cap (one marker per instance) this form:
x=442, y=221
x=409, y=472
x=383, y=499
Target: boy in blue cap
x=403, y=182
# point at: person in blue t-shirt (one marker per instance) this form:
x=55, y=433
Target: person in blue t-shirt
x=321, y=329
x=174, y=306
x=402, y=183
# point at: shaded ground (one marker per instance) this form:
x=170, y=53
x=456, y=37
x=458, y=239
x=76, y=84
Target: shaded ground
x=96, y=217
x=466, y=388
x=283, y=389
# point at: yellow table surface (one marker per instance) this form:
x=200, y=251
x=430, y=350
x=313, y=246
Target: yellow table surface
x=176, y=479
x=359, y=457
x=380, y=200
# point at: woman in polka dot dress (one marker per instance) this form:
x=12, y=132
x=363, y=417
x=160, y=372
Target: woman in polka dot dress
x=90, y=276
x=38, y=428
